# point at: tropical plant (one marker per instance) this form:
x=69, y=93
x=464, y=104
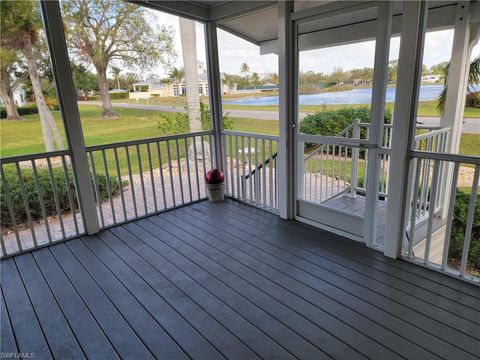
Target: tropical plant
x=245, y=70
x=21, y=32
x=115, y=70
x=101, y=31
x=176, y=74
x=473, y=79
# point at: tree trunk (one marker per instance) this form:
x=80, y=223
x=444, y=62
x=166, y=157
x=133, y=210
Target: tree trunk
x=189, y=51
x=103, y=86
x=49, y=127
x=7, y=95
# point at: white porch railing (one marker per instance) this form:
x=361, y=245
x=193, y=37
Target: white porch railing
x=445, y=243
x=156, y=174
x=330, y=170
x=250, y=166
x=35, y=190
x=130, y=180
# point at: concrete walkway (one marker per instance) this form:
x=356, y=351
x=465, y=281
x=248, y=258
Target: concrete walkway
x=470, y=125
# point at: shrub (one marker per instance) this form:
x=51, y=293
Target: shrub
x=62, y=185
x=332, y=122
x=116, y=96
x=52, y=102
x=23, y=110
x=460, y=212
x=178, y=123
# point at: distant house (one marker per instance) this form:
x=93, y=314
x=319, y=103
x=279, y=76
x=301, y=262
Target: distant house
x=19, y=96
x=432, y=78
x=146, y=89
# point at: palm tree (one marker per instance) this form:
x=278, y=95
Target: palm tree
x=176, y=74
x=473, y=79
x=189, y=50
x=245, y=69
x=116, y=74
x=255, y=78
x=21, y=24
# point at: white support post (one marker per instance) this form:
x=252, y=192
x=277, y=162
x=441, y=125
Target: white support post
x=215, y=92
x=287, y=95
x=71, y=118
x=456, y=91
x=408, y=84
x=380, y=78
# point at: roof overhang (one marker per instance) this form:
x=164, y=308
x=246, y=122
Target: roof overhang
x=257, y=21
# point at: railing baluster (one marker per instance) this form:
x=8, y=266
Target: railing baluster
x=160, y=169
x=270, y=163
x=25, y=203
x=2, y=245
x=132, y=185
x=314, y=158
x=179, y=164
x=40, y=200
x=120, y=183
x=69, y=194
x=187, y=161
x=451, y=207
x=256, y=180
x=97, y=191
x=469, y=223
x=433, y=195
x=142, y=182
x=169, y=158
x=231, y=166
x=204, y=165
x=250, y=167
x=109, y=190
x=264, y=175
x=413, y=214
x=8, y=198
x=196, y=167
x=237, y=167
x=339, y=162
x=226, y=171
x=244, y=197
x=55, y=197
x=152, y=179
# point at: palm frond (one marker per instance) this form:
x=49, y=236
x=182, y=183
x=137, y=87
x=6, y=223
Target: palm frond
x=473, y=79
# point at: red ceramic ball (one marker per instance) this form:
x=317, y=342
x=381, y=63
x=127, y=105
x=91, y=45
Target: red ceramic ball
x=214, y=176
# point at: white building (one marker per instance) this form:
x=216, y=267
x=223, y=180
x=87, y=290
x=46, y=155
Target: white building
x=432, y=78
x=146, y=89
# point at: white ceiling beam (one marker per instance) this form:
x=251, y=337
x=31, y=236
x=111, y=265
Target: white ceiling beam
x=177, y=8
x=234, y=9
x=438, y=18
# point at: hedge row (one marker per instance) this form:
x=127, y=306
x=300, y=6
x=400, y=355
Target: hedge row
x=332, y=122
x=113, y=96
x=62, y=186
x=460, y=211
x=23, y=110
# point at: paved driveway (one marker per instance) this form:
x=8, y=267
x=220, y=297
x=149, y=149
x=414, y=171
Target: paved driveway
x=470, y=125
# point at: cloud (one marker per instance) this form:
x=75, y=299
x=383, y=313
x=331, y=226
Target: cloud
x=233, y=51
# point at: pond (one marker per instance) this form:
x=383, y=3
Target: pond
x=355, y=96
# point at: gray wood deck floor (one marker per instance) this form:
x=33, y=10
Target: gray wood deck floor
x=214, y=281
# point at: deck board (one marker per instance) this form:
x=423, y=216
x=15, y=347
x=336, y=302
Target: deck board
x=212, y=281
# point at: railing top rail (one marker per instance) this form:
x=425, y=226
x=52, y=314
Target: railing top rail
x=446, y=157
x=432, y=133
x=28, y=157
x=148, y=140
x=249, y=134
x=418, y=126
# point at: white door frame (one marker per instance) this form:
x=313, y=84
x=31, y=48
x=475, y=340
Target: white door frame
x=362, y=228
